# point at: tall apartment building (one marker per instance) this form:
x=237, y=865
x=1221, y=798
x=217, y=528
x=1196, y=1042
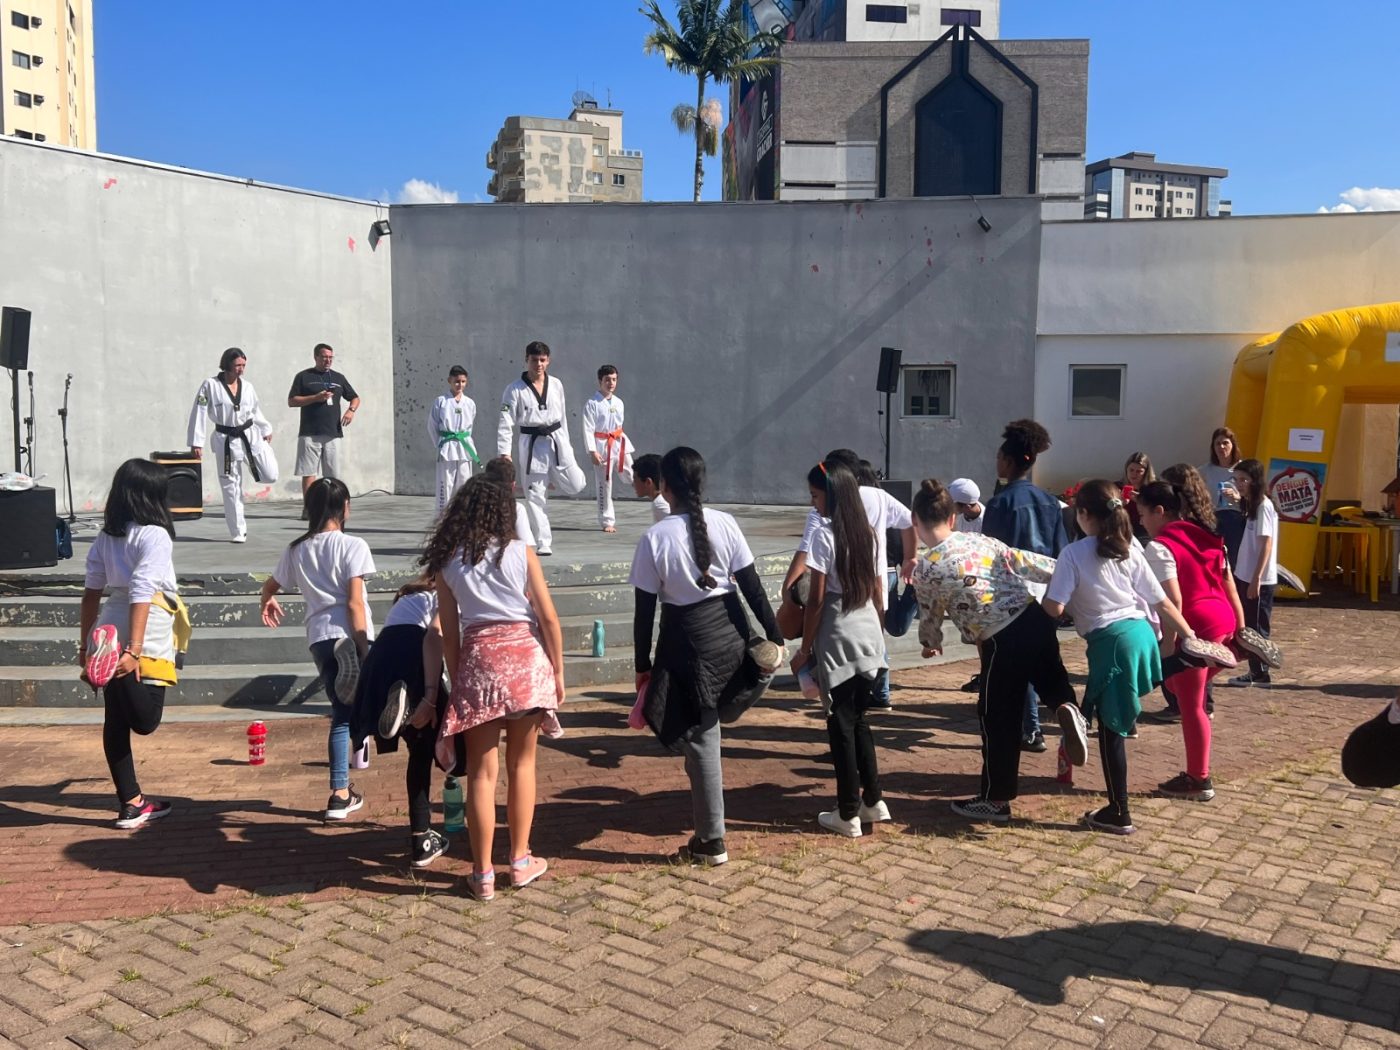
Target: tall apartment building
x=544, y=160
x=1136, y=186
x=47, y=90
x=855, y=21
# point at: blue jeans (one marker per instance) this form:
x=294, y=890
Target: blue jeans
x=1030, y=721
x=338, y=744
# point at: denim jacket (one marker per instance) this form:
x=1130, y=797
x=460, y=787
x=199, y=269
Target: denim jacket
x=1027, y=518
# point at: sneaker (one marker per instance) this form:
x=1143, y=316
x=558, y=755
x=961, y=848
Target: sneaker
x=1240, y=681
x=347, y=670
x=427, y=848
x=1035, y=742
x=132, y=817
x=972, y=685
x=104, y=653
x=1132, y=733
x=338, y=808
x=395, y=710
x=1254, y=643
x=1110, y=820
x=1184, y=785
x=543, y=552
x=526, y=870
x=709, y=853
x=242, y=537
x=876, y=814
x=767, y=655
x=1074, y=733
x=1213, y=652
x=880, y=703
x=482, y=885
x=983, y=809
x=833, y=821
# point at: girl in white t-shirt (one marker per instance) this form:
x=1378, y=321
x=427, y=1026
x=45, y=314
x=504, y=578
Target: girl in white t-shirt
x=505, y=658
x=1256, y=565
x=132, y=632
x=1103, y=581
x=329, y=567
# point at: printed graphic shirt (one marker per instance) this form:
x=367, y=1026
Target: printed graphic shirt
x=977, y=582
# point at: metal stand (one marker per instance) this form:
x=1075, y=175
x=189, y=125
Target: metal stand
x=14, y=407
x=67, y=466
x=888, y=395
x=29, y=430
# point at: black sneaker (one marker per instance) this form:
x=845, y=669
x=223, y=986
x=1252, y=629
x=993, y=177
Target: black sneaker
x=1167, y=716
x=338, y=808
x=983, y=809
x=880, y=704
x=395, y=710
x=1184, y=785
x=709, y=854
x=132, y=817
x=972, y=685
x=1110, y=820
x=427, y=848
x=1034, y=743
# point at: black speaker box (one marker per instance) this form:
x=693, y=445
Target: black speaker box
x=888, y=381
x=27, y=536
x=186, y=496
x=14, y=338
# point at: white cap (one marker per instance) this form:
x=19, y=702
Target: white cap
x=965, y=490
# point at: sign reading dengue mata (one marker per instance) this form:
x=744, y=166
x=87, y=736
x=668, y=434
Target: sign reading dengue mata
x=1296, y=489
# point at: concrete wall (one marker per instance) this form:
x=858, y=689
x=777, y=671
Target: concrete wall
x=138, y=276
x=749, y=331
x=1175, y=301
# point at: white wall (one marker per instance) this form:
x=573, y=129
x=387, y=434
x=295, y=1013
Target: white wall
x=138, y=277
x=1175, y=300
x=925, y=20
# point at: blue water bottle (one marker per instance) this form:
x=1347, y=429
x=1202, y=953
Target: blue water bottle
x=598, y=638
x=454, y=807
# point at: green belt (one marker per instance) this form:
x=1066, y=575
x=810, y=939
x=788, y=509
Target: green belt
x=463, y=436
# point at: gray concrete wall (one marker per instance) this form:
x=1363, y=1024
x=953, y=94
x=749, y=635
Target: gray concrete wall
x=140, y=275
x=750, y=331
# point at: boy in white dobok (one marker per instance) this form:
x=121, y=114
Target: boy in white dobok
x=450, y=423
x=607, y=445
x=542, y=453
x=241, y=435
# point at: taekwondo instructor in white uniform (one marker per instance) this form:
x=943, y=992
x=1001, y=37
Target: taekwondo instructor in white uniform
x=542, y=455
x=241, y=435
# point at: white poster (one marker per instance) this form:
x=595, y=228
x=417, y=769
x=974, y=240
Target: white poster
x=1305, y=439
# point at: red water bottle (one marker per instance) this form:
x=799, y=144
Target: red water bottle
x=257, y=743
x=1065, y=771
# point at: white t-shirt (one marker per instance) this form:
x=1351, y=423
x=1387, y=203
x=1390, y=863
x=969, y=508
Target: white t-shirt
x=488, y=593
x=322, y=567
x=822, y=558
x=883, y=512
x=1264, y=523
x=1160, y=560
x=660, y=509
x=522, y=525
x=965, y=524
x=140, y=561
x=414, y=610
x=1099, y=591
x=664, y=563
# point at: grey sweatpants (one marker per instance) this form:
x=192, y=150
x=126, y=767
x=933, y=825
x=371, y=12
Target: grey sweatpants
x=701, y=748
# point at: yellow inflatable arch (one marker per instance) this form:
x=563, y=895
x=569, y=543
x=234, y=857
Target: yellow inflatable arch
x=1286, y=396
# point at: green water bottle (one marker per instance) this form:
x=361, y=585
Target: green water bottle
x=598, y=638
x=454, y=806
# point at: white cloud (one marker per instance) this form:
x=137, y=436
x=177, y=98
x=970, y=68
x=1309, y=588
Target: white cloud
x=416, y=191
x=1376, y=198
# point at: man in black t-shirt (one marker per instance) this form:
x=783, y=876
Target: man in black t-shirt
x=319, y=393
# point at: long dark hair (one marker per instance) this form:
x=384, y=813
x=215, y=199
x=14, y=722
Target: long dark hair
x=137, y=497
x=851, y=533
x=424, y=581
x=482, y=513
x=1257, y=495
x=1021, y=442
x=1196, y=502
x=683, y=471
x=1103, y=501
x=1216, y=435
x=229, y=358
x=326, y=501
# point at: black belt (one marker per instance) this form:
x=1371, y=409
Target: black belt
x=538, y=432
x=241, y=433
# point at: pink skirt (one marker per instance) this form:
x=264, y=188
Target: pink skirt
x=502, y=672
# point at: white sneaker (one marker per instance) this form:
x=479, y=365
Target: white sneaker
x=875, y=814
x=242, y=537
x=543, y=552
x=831, y=820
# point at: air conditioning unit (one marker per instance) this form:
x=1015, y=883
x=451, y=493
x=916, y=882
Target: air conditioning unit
x=35, y=21
x=36, y=60
x=38, y=100
x=41, y=137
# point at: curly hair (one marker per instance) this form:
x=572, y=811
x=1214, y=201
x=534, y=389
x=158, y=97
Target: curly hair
x=1021, y=442
x=1196, y=503
x=481, y=514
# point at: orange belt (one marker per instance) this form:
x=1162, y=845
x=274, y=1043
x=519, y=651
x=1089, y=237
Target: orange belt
x=612, y=436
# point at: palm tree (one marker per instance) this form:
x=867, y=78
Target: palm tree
x=710, y=117
x=710, y=42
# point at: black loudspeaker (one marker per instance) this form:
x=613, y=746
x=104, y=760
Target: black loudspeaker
x=14, y=338
x=186, y=496
x=900, y=490
x=27, y=536
x=888, y=383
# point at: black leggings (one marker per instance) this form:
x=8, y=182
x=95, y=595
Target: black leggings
x=131, y=707
x=852, y=746
x=419, y=779
x=1113, y=753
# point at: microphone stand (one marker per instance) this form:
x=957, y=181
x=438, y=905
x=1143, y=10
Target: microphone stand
x=67, y=467
x=14, y=408
x=29, y=428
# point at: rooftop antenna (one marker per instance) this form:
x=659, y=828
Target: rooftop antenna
x=609, y=98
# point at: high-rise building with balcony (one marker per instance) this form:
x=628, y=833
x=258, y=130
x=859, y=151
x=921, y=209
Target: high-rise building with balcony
x=47, y=91
x=1136, y=186
x=581, y=160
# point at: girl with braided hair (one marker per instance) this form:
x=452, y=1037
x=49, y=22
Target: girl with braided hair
x=706, y=669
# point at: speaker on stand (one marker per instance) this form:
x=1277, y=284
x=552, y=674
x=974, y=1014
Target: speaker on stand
x=186, y=496
x=14, y=355
x=887, y=383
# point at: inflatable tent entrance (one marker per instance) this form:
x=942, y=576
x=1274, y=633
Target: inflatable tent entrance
x=1286, y=396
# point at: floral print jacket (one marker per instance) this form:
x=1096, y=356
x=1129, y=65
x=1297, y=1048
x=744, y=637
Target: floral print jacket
x=977, y=582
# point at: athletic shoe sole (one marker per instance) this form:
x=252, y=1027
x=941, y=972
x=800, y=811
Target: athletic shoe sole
x=1074, y=733
x=347, y=670
x=395, y=709
x=144, y=817
x=1112, y=829
x=1251, y=641
x=104, y=653
x=767, y=655
x=1194, y=795
x=340, y=812
x=1214, y=652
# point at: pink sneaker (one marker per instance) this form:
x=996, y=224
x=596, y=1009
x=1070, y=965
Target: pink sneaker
x=104, y=653
x=526, y=870
x=482, y=886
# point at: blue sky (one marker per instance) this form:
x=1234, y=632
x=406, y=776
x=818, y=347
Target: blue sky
x=358, y=98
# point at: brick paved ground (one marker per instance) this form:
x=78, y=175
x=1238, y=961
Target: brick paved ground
x=1266, y=918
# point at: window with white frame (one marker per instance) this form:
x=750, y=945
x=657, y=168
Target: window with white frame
x=928, y=391
x=1096, y=391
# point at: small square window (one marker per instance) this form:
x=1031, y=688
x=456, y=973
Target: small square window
x=1096, y=391
x=619, y=180
x=928, y=391
x=19, y=20
x=962, y=16
x=597, y=149
x=20, y=59
x=595, y=177
x=25, y=99
x=886, y=13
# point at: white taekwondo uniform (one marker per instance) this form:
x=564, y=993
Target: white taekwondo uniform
x=240, y=436
x=450, y=427
x=542, y=453
x=602, y=433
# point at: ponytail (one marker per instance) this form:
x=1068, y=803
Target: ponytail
x=852, y=536
x=326, y=501
x=1196, y=503
x=683, y=471
x=1103, y=502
